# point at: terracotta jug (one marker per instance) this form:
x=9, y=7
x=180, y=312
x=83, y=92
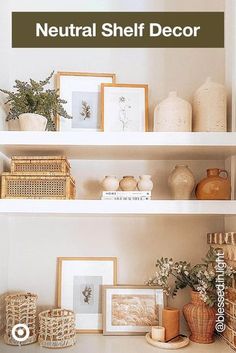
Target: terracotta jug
x=215, y=187
x=200, y=318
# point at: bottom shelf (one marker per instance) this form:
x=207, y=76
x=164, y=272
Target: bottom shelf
x=118, y=344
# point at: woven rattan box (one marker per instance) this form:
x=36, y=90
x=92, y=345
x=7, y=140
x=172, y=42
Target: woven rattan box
x=40, y=165
x=37, y=187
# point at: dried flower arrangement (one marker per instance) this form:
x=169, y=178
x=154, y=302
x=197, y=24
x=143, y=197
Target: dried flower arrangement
x=201, y=278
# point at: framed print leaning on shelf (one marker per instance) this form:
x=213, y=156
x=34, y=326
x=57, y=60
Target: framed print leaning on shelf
x=80, y=281
x=124, y=107
x=82, y=91
x=131, y=310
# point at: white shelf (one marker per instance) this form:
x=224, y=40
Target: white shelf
x=129, y=344
x=98, y=207
x=100, y=145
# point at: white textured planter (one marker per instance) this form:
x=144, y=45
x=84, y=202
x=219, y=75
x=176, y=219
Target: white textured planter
x=13, y=125
x=32, y=122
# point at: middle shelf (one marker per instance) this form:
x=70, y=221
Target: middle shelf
x=106, y=208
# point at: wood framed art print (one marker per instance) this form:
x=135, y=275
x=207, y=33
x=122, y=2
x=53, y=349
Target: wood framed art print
x=80, y=281
x=124, y=107
x=131, y=310
x=82, y=92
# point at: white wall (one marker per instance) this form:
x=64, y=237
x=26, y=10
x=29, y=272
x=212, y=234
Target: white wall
x=136, y=241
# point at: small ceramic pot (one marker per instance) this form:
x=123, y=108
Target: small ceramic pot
x=110, y=183
x=145, y=183
x=32, y=122
x=128, y=183
x=181, y=182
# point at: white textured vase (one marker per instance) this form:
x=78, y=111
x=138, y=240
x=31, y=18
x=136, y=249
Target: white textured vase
x=145, y=183
x=173, y=114
x=32, y=122
x=181, y=182
x=210, y=107
x=110, y=183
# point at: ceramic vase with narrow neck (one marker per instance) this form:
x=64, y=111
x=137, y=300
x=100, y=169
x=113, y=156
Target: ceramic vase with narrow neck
x=145, y=183
x=32, y=122
x=110, y=183
x=200, y=318
x=128, y=183
x=173, y=114
x=216, y=186
x=210, y=107
x=181, y=182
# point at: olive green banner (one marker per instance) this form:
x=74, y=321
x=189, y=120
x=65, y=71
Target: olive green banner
x=117, y=29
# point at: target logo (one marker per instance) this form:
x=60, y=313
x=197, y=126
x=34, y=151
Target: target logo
x=20, y=332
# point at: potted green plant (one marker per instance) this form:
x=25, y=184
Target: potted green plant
x=202, y=278
x=35, y=106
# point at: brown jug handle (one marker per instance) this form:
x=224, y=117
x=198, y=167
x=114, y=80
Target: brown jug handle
x=224, y=172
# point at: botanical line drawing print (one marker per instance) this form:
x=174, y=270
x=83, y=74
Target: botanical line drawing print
x=86, y=110
x=134, y=310
x=124, y=107
x=87, y=294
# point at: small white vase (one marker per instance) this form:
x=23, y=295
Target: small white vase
x=110, y=183
x=145, y=183
x=181, y=182
x=173, y=114
x=210, y=107
x=32, y=122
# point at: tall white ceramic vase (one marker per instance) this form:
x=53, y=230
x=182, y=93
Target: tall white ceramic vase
x=210, y=107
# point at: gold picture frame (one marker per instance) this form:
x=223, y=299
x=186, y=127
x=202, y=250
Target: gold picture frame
x=67, y=95
x=116, y=299
x=143, y=114
x=94, y=267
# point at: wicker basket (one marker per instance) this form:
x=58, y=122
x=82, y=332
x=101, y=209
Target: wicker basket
x=57, y=328
x=21, y=309
x=37, y=187
x=50, y=165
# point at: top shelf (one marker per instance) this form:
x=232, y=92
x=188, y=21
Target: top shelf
x=131, y=146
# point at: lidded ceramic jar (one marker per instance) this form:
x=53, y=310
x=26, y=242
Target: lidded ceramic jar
x=128, y=183
x=173, y=114
x=110, y=183
x=145, y=183
x=210, y=107
x=216, y=186
x=181, y=182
